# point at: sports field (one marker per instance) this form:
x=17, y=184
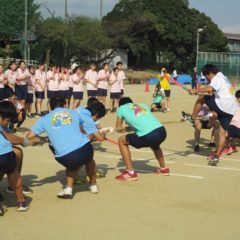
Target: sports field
x=195, y=202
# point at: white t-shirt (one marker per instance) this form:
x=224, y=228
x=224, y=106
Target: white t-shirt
x=103, y=84
x=224, y=93
x=40, y=76
x=22, y=74
x=31, y=84
x=53, y=81
x=11, y=76
x=1, y=80
x=91, y=76
x=116, y=87
x=63, y=83
x=70, y=81
x=121, y=78
x=175, y=73
x=77, y=83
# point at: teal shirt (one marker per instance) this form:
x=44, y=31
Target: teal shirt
x=157, y=99
x=139, y=118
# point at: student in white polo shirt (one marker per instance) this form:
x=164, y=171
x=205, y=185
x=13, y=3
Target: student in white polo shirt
x=40, y=83
x=10, y=76
x=23, y=76
x=64, y=84
x=2, y=91
x=77, y=79
x=103, y=79
x=121, y=76
x=31, y=89
x=91, y=80
x=52, y=83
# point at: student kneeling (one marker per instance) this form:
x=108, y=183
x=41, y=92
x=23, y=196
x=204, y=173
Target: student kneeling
x=72, y=148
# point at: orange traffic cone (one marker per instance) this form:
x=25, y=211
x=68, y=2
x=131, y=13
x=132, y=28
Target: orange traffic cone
x=233, y=85
x=147, y=87
x=199, y=85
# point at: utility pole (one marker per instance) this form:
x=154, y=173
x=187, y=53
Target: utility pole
x=26, y=32
x=101, y=9
x=199, y=30
x=66, y=10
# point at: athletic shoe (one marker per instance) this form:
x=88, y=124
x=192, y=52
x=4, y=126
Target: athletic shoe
x=127, y=176
x=64, y=194
x=1, y=210
x=227, y=150
x=26, y=190
x=214, y=161
x=196, y=148
x=93, y=188
x=100, y=174
x=212, y=145
x=188, y=117
x=234, y=148
x=22, y=206
x=164, y=171
x=168, y=110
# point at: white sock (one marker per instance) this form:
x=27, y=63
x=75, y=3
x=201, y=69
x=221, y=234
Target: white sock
x=131, y=171
x=68, y=190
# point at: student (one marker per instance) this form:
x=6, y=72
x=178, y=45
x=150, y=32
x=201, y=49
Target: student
x=2, y=83
x=149, y=132
x=62, y=124
x=221, y=101
x=158, y=99
x=194, y=78
x=64, y=84
x=10, y=76
x=103, y=78
x=115, y=92
x=175, y=75
x=77, y=79
x=8, y=163
x=70, y=84
x=91, y=80
x=31, y=89
x=22, y=78
x=164, y=78
x=52, y=83
x=121, y=76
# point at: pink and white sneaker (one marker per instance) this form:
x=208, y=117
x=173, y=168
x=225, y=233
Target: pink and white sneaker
x=234, y=148
x=212, y=155
x=227, y=150
x=127, y=176
x=163, y=171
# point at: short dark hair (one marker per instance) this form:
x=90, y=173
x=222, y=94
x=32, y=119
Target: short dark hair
x=7, y=110
x=237, y=94
x=119, y=63
x=91, y=100
x=209, y=68
x=98, y=109
x=125, y=100
x=104, y=65
x=115, y=69
x=56, y=102
x=93, y=63
x=76, y=69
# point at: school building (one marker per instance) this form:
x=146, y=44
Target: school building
x=233, y=41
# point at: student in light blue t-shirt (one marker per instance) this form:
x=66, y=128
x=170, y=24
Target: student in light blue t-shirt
x=72, y=148
x=149, y=132
x=158, y=99
x=8, y=163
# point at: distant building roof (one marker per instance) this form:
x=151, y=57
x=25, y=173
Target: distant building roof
x=232, y=36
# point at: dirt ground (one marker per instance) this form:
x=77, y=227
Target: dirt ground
x=195, y=202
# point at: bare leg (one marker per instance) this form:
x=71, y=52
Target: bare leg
x=197, y=132
x=126, y=154
x=70, y=177
x=91, y=172
x=19, y=157
x=159, y=156
x=168, y=102
x=198, y=106
x=222, y=140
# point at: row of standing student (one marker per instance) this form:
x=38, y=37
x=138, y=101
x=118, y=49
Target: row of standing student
x=64, y=82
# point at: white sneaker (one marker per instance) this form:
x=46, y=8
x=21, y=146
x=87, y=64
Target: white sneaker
x=94, y=188
x=22, y=206
x=168, y=110
x=65, y=194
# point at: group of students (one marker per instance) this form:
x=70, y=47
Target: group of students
x=80, y=126
x=67, y=83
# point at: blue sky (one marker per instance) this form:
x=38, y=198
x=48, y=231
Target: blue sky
x=223, y=12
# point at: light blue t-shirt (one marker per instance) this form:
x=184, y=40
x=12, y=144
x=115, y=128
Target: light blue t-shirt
x=62, y=128
x=88, y=124
x=5, y=145
x=139, y=118
x=158, y=98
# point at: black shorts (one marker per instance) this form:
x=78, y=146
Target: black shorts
x=8, y=91
x=224, y=118
x=2, y=94
x=63, y=94
x=70, y=92
x=158, y=105
x=78, y=95
x=122, y=92
x=205, y=124
x=52, y=94
x=115, y=95
x=40, y=95
x=102, y=92
x=167, y=93
x=8, y=163
x=233, y=132
x=29, y=98
x=92, y=93
x=152, y=139
x=77, y=158
x=21, y=92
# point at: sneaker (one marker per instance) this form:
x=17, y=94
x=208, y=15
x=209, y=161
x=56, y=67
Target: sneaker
x=214, y=161
x=164, y=171
x=127, y=176
x=212, y=154
x=1, y=210
x=188, y=117
x=212, y=145
x=234, y=148
x=168, y=110
x=100, y=174
x=227, y=150
x=94, y=188
x=9, y=190
x=196, y=148
x=64, y=194
x=22, y=206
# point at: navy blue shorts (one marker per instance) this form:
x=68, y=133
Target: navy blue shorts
x=102, y=92
x=78, y=95
x=40, y=95
x=167, y=93
x=224, y=118
x=64, y=94
x=2, y=94
x=77, y=158
x=29, y=98
x=8, y=91
x=115, y=95
x=70, y=92
x=122, y=92
x=21, y=92
x=52, y=94
x=152, y=139
x=92, y=93
x=8, y=163
x=233, y=132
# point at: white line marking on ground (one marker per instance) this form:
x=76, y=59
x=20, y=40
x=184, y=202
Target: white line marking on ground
x=210, y=167
x=224, y=158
